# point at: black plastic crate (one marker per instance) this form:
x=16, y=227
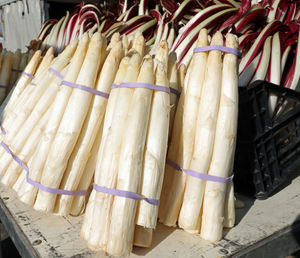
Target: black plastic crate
x=268, y=148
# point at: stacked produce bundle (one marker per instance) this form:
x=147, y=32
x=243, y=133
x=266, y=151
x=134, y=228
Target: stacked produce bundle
x=201, y=152
x=11, y=66
x=131, y=158
x=268, y=31
x=61, y=111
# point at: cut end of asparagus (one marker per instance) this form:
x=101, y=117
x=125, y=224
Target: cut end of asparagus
x=142, y=236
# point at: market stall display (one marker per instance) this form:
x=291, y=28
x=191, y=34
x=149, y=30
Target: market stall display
x=130, y=115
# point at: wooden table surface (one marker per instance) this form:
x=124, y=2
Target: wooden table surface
x=263, y=228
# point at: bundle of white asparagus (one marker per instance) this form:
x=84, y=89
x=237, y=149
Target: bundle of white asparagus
x=131, y=158
x=197, y=191
x=53, y=124
x=11, y=67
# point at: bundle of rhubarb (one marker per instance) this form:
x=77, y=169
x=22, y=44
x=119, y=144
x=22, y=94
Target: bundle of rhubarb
x=198, y=191
x=268, y=30
x=11, y=66
x=131, y=158
x=52, y=124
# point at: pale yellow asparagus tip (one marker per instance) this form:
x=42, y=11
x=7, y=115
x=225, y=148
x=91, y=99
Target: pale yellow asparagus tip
x=139, y=44
x=114, y=39
x=125, y=43
x=49, y=52
x=162, y=53
x=203, y=37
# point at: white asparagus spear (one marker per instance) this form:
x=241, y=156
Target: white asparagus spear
x=130, y=164
x=155, y=152
x=173, y=77
x=73, y=174
x=162, y=55
x=46, y=61
x=184, y=145
x=24, y=109
x=181, y=74
x=35, y=67
x=176, y=141
x=41, y=107
x=230, y=200
x=14, y=169
x=58, y=109
x=5, y=74
x=78, y=203
x=20, y=69
x=23, y=82
x=14, y=70
x=211, y=78
x=114, y=39
x=112, y=101
x=224, y=147
x=125, y=43
x=108, y=156
x=229, y=209
x=71, y=124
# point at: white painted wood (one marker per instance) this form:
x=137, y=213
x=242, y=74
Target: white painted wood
x=256, y=222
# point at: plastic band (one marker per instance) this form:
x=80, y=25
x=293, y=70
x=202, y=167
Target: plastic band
x=176, y=92
x=56, y=73
x=2, y=130
x=20, y=162
x=54, y=190
x=36, y=184
x=141, y=85
x=125, y=194
x=3, y=87
x=85, y=88
x=199, y=175
x=29, y=75
x=216, y=47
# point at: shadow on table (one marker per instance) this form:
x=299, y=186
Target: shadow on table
x=240, y=212
x=296, y=230
x=161, y=232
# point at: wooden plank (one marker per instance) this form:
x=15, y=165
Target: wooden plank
x=258, y=224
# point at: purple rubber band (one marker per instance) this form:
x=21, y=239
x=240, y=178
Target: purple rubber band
x=3, y=87
x=54, y=190
x=216, y=47
x=29, y=75
x=2, y=130
x=125, y=194
x=141, y=85
x=36, y=184
x=199, y=175
x=20, y=162
x=56, y=73
x=85, y=88
x=176, y=92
